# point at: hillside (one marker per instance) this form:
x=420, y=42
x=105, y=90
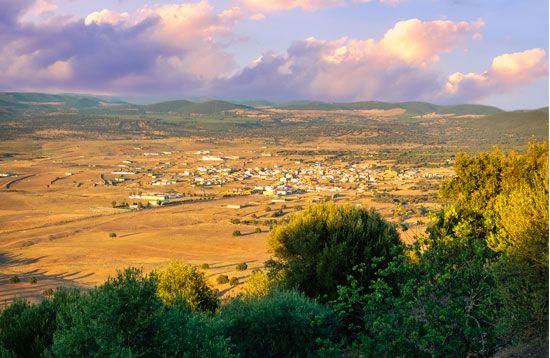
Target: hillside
x=188, y=107
x=412, y=108
x=533, y=121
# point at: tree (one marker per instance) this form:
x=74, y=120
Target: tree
x=282, y=324
x=221, y=279
x=318, y=248
x=258, y=285
x=183, y=282
x=241, y=266
x=502, y=201
x=118, y=318
x=237, y=233
x=27, y=330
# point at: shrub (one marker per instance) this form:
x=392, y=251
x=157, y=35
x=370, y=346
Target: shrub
x=27, y=330
x=181, y=282
x=317, y=250
x=221, y=279
x=112, y=235
x=237, y=233
x=119, y=318
x=268, y=208
x=15, y=279
x=235, y=221
x=32, y=280
x=283, y=324
x=234, y=281
x=205, y=266
x=241, y=267
x=258, y=230
x=48, y=292
x=257, y=286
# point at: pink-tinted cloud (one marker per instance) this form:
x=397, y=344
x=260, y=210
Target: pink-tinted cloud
x=397, y=67
x=507, y=72
x=283, y=5
x=421, y=42
x=163, y=48
x=178, y=49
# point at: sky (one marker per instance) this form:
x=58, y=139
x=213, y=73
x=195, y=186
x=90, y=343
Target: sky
x=491, y=52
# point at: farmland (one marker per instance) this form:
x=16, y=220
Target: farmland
x=86, y=194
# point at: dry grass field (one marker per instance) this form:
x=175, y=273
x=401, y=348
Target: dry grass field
x=56, y=215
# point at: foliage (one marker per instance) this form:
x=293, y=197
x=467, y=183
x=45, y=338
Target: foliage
x=282, y=324
x=32, y=280
x=502, y=200
x=241, y=266
x=205, y=266
x=237, y=233
x=15, y=279
x=444, y=305
x=117, y=318
x=318, y=248
x=27, y=330
x=221, y=279
x=183, y=282
x=257, y=286
x=234, y=281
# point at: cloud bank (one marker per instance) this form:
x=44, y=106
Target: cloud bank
x=180, y=49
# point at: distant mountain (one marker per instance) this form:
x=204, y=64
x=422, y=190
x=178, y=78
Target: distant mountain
x=412, y=108
x=188, y=107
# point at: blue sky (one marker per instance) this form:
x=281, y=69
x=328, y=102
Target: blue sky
x=491, y=52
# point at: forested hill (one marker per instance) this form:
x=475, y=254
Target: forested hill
x=414, y=108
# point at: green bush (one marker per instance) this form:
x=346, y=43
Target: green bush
x=283, y=324
x=32, y=280
x=15, y=279
x=205, y=266
x=118, y=318
x=234, y=281
x=237, y=233
x=258, y=230
x=125, y=317
x=221, y=279
x=180, y=282
x=317, y=250
x=241, y=267
x=27, y=330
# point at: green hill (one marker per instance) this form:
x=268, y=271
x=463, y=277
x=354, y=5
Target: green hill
x=412, y=108
x=188, y=107
x=533, y=121
x=44, y=101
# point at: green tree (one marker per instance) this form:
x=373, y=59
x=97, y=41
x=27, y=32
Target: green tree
x=258, y=285
x=27, y=330
x=282, y=324
x=183, y=282
x=318, y=248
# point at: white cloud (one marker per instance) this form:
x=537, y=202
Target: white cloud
x=507, y=72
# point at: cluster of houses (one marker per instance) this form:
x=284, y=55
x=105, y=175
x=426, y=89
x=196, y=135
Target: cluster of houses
x=274, y=180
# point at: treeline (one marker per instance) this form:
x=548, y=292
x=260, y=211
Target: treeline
x=340, y=283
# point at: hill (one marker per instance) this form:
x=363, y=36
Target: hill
x=188, y=107
x=412, y=108
x=532, y=121
x=12, y=102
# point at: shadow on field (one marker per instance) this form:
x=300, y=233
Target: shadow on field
x=32, y=292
